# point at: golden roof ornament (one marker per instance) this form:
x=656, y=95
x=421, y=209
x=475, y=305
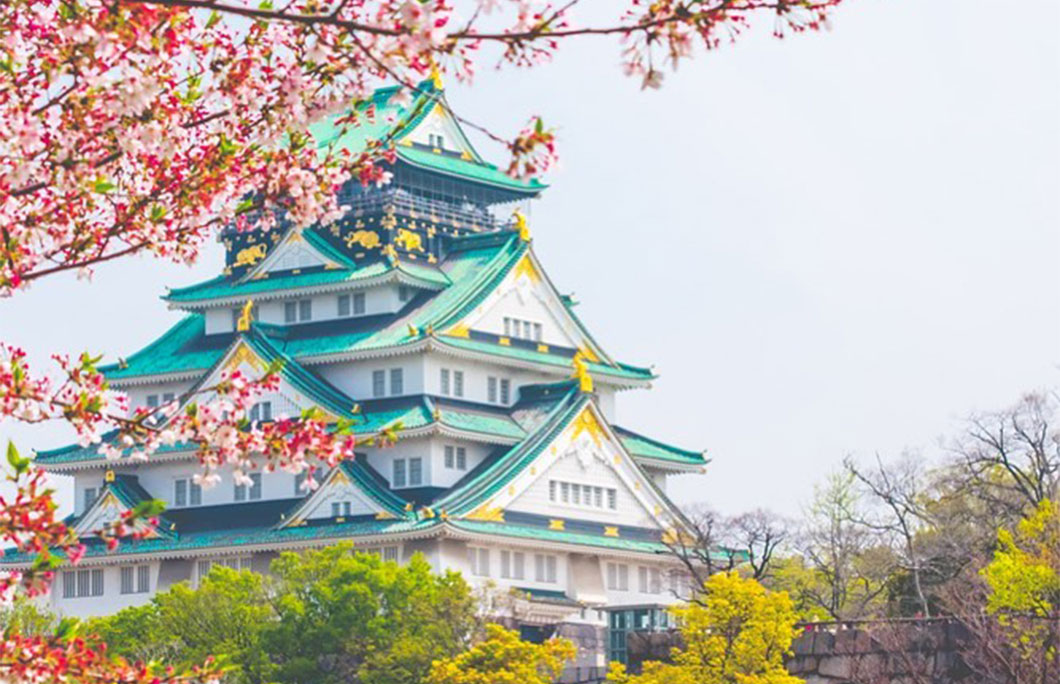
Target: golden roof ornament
x=521, y=225
x=436, y=76
x=243, y=324
x=581, y=373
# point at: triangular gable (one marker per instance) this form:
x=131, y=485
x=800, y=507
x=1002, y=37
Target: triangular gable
x=296, y=250
x=252, y=354
x=355, y=491
x=577, y=446
x=439, y=125
x=526, y=294
x=118, y=497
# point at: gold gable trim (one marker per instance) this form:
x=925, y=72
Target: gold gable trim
x=487, y=513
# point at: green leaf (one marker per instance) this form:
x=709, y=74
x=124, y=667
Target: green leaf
x=103, y=185
x=20, y=464
x=158, y=212
x=214, y=18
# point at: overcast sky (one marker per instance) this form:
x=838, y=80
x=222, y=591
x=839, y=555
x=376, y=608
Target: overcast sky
x=839, y=243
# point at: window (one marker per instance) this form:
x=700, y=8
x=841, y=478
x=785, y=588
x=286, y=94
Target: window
x=654, y=581
x=544, y=568
x=81, y=583
x=390, y=553
x=202, y=568
x=344, y=508
x=344, y=305
x=446, y=390
x=261, y=411
x=612, y=499
x=305, y=310
x=298, y=312
x=479, y=561
x=90, y=497
x=399, y=473
x=458, y=383
x=378, y=383
x=513, y=565
x=455, y=457
x=397, y=381
x=587, y=496
x=404, y=293
x=290, y=312
x=242, y=493
x=642, y=579
x=358, y=303
x=180, y=493
x=454, y=388
x=135, y=579
x=498, y=390
x=436, y=140
x=415, y=472
x=523, y=330
x=168, y=397
x=618, y=577
x=152, y=401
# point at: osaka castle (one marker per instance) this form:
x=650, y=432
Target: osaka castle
x=426, y=310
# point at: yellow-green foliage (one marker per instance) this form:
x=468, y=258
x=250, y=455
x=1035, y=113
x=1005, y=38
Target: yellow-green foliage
x=504, y=658
x=739, y=634
x=1024, y=576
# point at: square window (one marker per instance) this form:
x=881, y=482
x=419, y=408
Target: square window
x=397, y=381
x=415, y=472
x=305, y=310
x=152, y=401
x=344, y=305
x=450, y=461
x=399, y=472
x=290, y=312
x=378, y=383
x=390, y=553
x=358, y=303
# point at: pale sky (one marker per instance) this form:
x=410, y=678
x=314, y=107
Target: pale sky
x=839, y=243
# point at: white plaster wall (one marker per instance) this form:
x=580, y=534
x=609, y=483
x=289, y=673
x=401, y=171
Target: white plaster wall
x=634, y=596
x=377, y=300
x=447, y=477
x=355, y=378
x=382, y=459
x=159, y=478
x=526, y=304
x=628, y=510
x=110, y=602
x=138, y=394
x=476, y=375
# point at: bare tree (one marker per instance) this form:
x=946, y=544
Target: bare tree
x=843, y=552
x=898, y=489
x=698, y=543
x=1012, y=457
x=761, y=534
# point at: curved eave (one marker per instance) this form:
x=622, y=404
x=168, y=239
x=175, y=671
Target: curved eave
x=520, y=191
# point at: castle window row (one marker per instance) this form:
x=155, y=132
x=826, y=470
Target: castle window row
x=589, y=496
x=513, y=565
x=83, y=583
x=202, y=568
x=251, y=493
x=498, y=390
x=135, y=579
x=522, y=329
x=452, y=382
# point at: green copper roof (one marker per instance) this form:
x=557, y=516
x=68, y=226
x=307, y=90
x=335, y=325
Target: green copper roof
x=550, y=358
x=392, y=121
x=179, y=349
x=645, y=447
x=504, y=529
x=375, y=488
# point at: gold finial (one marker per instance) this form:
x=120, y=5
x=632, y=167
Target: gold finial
x=436, y=76
x=408, y=506
x=427, y=512
x=413, y=331
x=521, y=225
x=443, y=514
x=436, y=414
x=243, y=324
x=581, y=373
x=108, y=476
